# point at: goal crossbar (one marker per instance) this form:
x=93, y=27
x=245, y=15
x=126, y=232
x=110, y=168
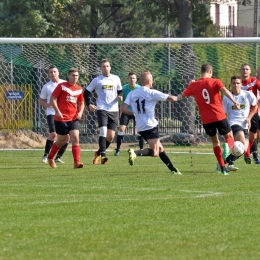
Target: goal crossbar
x=126, y=40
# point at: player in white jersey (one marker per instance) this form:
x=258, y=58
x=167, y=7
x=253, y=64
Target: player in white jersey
x=125, y=119
x=143, y=101
x=45, y=97
x=108, y=88
x=239, y=119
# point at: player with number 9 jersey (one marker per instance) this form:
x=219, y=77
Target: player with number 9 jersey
x=206, y=93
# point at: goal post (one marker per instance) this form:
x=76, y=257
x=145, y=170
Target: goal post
x=174, y=62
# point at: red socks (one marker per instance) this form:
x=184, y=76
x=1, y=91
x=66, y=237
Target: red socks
x=247, y=153
x=218, y=153
x=54, y=150
x=76, y=153
x=230, y=142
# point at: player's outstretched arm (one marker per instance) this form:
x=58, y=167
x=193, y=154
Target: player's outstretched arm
x=229, y=95
x=174, y=98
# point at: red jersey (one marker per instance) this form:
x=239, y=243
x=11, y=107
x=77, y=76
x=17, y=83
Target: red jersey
x=252, y=84
x=67, y=98
x=206, y=93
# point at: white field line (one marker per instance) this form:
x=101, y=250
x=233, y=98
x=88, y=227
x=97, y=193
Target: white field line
x=93, y=198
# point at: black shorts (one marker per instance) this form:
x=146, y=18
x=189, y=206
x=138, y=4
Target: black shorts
x=109, y=119
x=258, y=124
x=254, y=124
x=63, y=128
x=51, y=125
x=124, y=119
x=238, y=128
x=222, y=126
x=150, y=134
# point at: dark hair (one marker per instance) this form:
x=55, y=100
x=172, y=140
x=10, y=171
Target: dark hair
x=103, y=61
x=235, y=77
x=206, y=67
x=131, y=73
x=53, y=67
x=72, y=70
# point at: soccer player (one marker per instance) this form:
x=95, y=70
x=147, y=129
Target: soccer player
x=142, y=102
x=45, y=97
x=206, y=93
x=239, y=119
x=68, y=102
x=251, y=84
x=108, y=88
x=124, y=119
x=254, y=149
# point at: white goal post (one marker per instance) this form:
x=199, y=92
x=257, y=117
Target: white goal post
x=174, y=62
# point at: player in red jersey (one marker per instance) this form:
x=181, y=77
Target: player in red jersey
x=206, y=93
x=68, y=102
x=251, y=83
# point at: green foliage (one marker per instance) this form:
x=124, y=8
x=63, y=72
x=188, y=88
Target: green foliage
x=220, y=55
x=202, y=25
x=91, y=18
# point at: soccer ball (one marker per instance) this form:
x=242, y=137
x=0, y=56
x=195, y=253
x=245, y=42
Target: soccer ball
x=238, y=148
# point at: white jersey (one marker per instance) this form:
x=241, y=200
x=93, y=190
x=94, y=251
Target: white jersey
x=143, y=101
x=106, y=89
x=46, y=94
x=238, y=116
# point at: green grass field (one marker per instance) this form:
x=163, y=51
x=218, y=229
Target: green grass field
x=116, y=211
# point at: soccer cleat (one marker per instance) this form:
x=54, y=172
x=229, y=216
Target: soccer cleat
x=96, y=158
x=177, y=172
x=248, y=160
x=78, y=165
x=58, y=160
x=104, y=160
x=225, y=152
x=44, y=159
x=52, y=163
x=232, y=168
x=117, y=152
x=257, y=161
x=132, y=156
x=224, y=172
x=218, y=169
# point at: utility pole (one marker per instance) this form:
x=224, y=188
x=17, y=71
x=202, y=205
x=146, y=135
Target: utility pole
x=256, y=18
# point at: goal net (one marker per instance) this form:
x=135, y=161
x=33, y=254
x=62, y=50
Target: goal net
x=174, y=63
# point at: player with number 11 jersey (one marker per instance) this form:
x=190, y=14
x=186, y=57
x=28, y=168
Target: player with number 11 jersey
x=143, y=101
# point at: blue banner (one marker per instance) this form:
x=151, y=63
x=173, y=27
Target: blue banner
x=14, y=95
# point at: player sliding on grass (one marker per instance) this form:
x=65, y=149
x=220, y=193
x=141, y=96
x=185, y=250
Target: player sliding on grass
x=239, y=119
x=206, y=93
x=143, y=101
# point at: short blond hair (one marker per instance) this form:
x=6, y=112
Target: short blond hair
x=145, y=77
